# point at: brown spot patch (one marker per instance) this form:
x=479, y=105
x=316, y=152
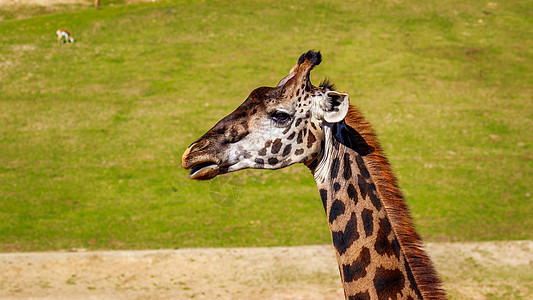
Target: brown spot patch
x=272, y=161
x=337, y=209
x=389, y=283
x=300, y=138
x=347, y=170
x=291, y=136
x=335, y=165
x=342, y=240
x=368, y=221
x=352, y=193
x=363, y=186
x=276, y=146
x=396, y=248
x=357, y=269
x=383, y=245
x=374, y=198
x=324, y=197
x=287, y=150
x=360, y=296
x=362, y=167
x=310, y=139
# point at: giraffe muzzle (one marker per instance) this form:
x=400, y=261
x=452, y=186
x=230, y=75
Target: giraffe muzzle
x=204, y=170
x=201, y=164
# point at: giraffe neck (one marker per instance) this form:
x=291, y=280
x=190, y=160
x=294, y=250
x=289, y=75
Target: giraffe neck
x=372, y=261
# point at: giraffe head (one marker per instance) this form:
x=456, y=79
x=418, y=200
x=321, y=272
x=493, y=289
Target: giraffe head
x=274, y=128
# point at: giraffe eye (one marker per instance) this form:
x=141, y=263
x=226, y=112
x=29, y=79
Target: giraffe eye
x=281, y=117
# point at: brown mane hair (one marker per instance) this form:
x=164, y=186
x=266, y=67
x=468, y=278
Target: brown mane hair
x=421, y=267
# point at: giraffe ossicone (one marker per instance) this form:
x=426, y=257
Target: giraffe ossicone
x=379, y=253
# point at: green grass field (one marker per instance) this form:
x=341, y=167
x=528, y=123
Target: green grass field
x=91, y=133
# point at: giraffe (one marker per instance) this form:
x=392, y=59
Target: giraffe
x=379, y=253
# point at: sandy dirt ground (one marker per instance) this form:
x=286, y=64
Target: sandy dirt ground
x=308, y=272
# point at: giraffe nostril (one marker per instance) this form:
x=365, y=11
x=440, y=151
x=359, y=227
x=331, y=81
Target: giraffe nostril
x=200, y=145
x=187, y=159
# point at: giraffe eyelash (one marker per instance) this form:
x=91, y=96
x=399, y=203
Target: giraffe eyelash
x=281, y=117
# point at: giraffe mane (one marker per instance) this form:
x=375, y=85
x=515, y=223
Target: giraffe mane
x=421, y=267
x=326, y=83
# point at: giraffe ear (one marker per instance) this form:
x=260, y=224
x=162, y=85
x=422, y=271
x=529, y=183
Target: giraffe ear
x=335, y=106
x=292, y=72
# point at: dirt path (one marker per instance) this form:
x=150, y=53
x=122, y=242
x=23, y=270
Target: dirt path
x=470, y=270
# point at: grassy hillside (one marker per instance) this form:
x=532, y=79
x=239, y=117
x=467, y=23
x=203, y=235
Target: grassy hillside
x=91, y=133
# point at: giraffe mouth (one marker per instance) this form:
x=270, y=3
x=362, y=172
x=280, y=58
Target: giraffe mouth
x=204, y=170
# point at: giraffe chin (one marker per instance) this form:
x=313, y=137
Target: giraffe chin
x=207, y=172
